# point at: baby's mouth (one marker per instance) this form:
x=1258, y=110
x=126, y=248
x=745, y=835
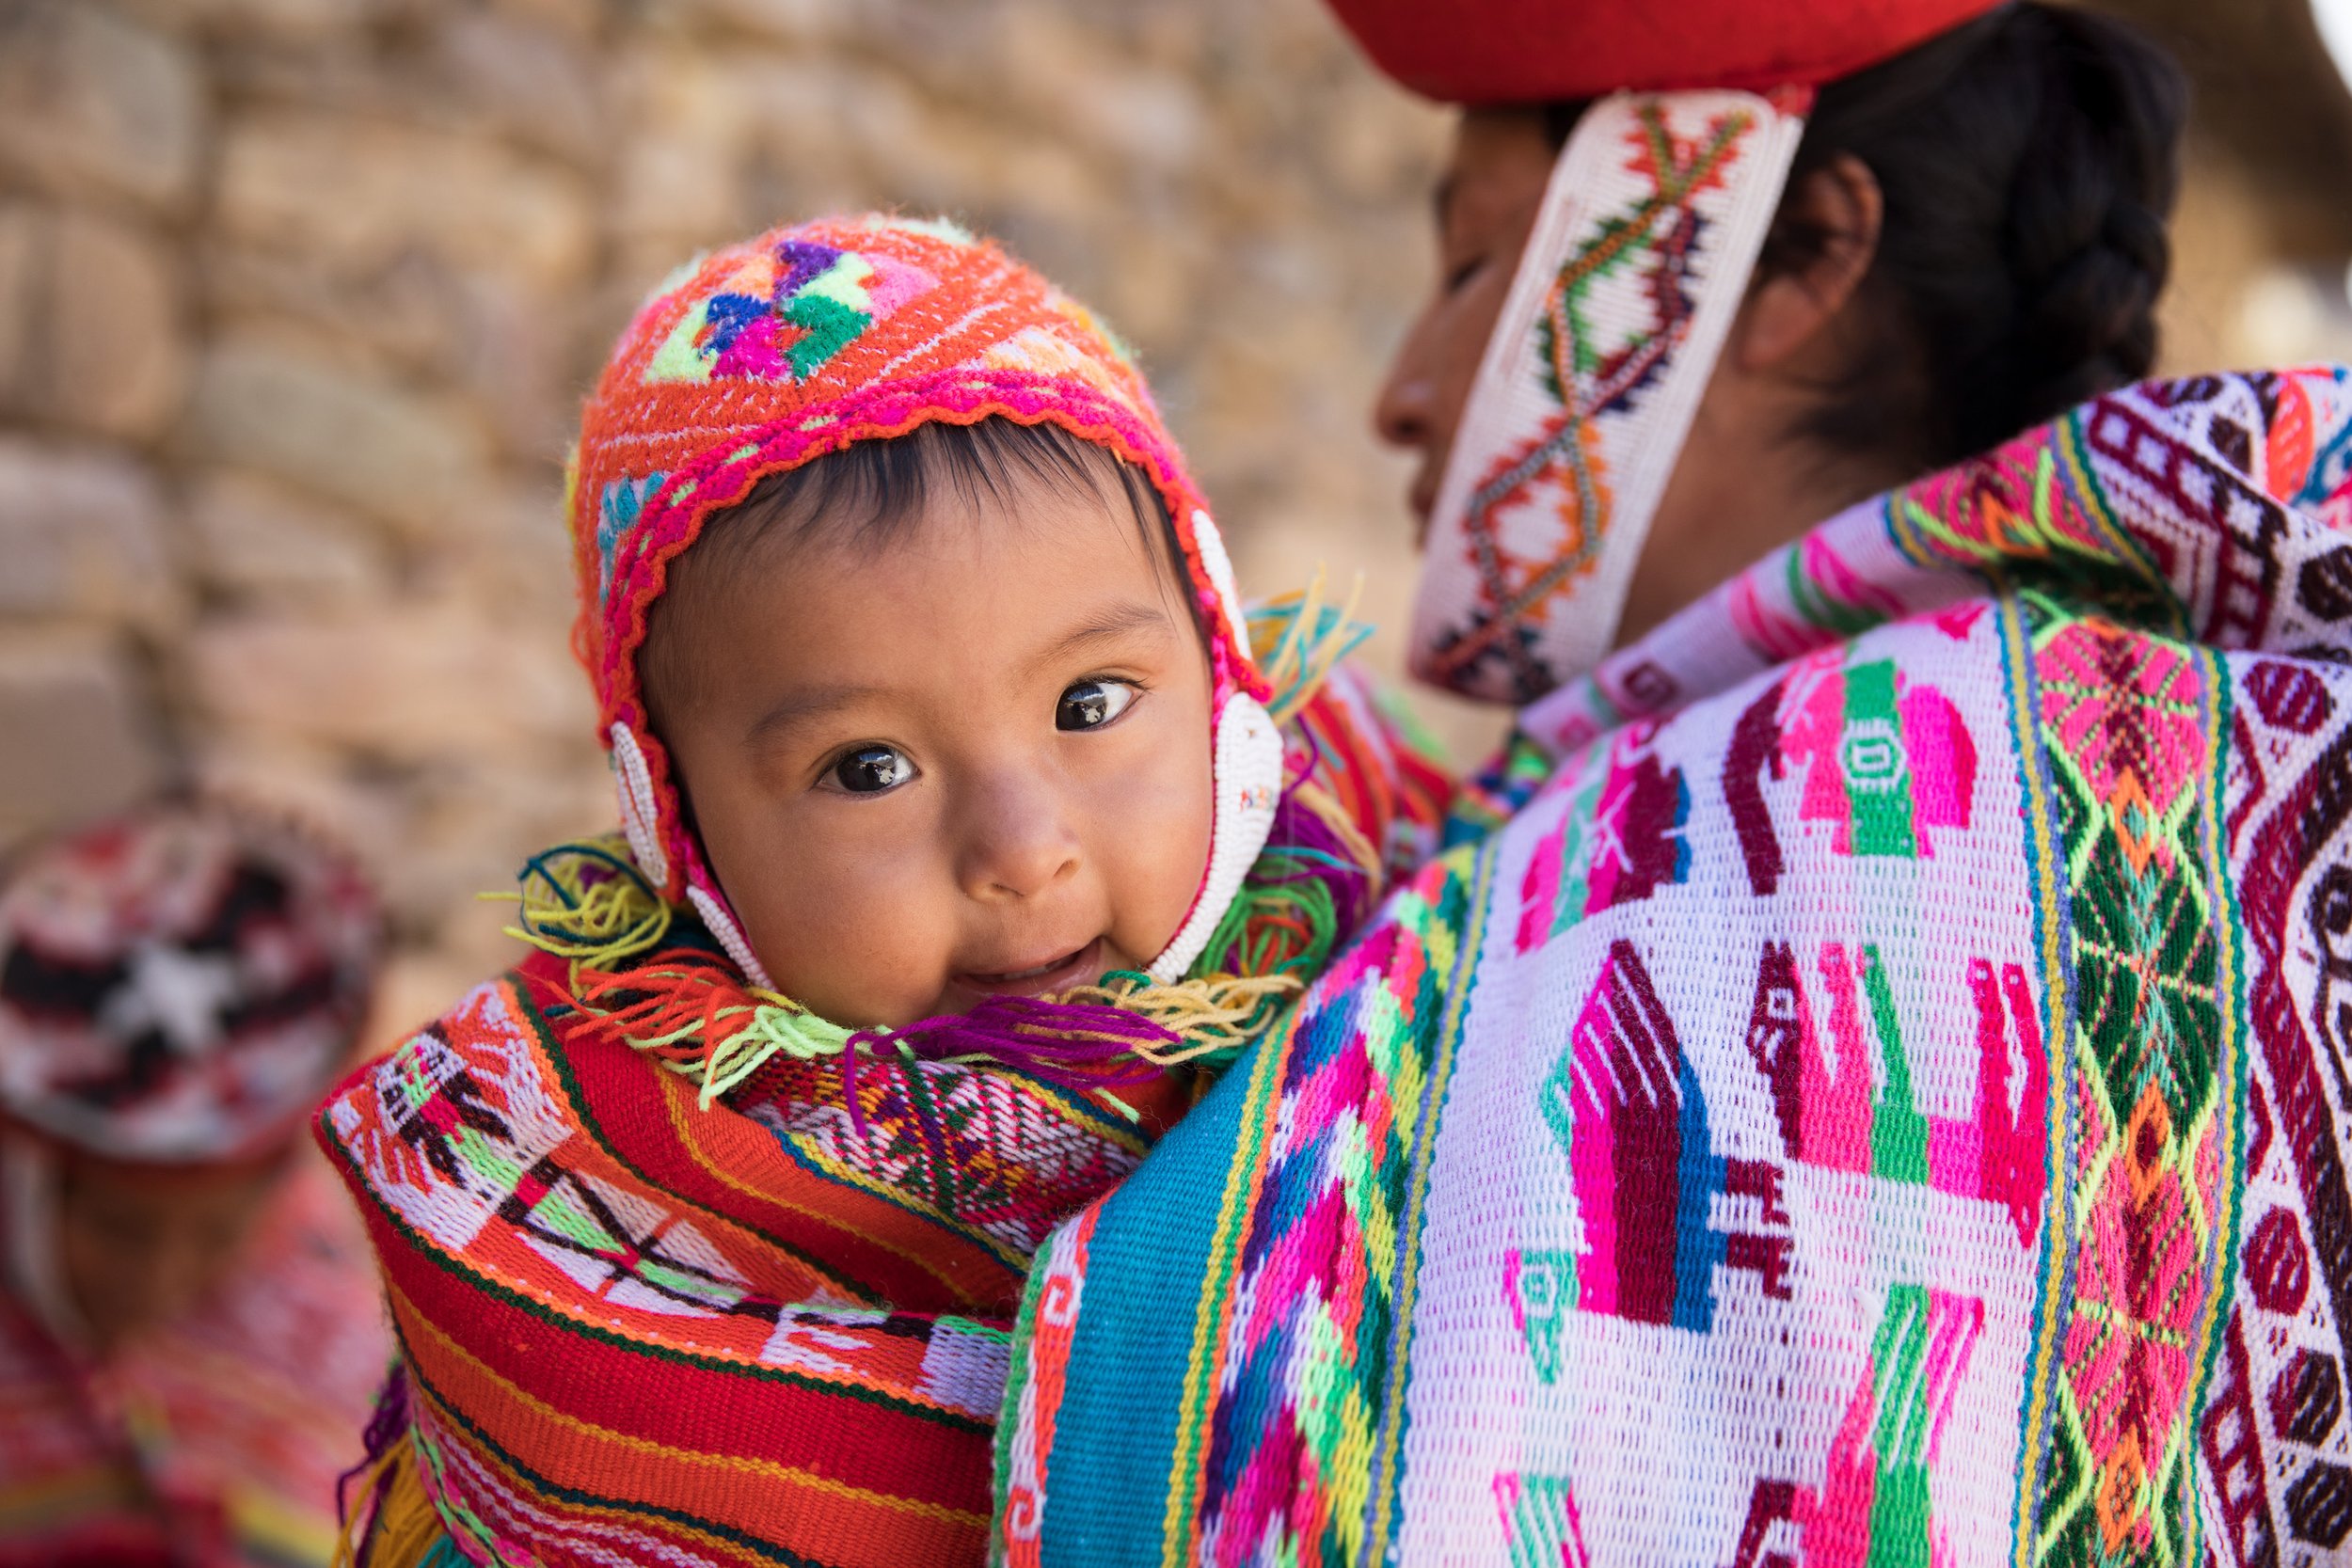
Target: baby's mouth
x=1080, y=968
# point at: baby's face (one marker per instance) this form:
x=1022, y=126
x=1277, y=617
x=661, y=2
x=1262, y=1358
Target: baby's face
x=973, y=764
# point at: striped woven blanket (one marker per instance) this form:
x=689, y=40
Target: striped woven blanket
x=1883, y=1097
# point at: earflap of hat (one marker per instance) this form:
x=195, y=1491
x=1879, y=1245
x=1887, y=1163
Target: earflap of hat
x=1246, y=754
x=1249, y=786
x=1648, y=233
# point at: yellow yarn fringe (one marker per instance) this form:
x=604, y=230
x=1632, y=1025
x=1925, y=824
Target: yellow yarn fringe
x=1298, y=639
x=404, y=1527
x=600, y=923
x=777, y=1026
x=1211, y=1013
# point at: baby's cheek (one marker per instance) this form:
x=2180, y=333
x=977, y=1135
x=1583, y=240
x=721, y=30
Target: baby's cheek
x=1166, y=859
x=842, y=924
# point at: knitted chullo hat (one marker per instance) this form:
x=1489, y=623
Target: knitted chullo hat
x=178, y=984
x=767, y=356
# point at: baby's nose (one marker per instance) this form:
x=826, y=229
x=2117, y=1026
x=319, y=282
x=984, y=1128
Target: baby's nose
x=1020, y=846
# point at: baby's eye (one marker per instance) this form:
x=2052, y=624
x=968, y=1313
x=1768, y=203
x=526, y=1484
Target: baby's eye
x=871, y=769
x=1091, y=705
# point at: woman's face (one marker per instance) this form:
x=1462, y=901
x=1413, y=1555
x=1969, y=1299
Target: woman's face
x=1486, y=206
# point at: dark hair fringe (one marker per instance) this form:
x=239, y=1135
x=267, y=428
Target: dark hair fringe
x=870, y=494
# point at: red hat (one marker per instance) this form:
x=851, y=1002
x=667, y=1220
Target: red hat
x=1491, y=51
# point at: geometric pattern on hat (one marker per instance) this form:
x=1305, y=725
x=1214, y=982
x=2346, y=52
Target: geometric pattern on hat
x=179, y=983
x=1484, y=53
x=759, y=358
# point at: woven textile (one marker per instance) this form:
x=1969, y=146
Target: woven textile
x=214, y=1442
x=1882, y=1098
x=1632, y=272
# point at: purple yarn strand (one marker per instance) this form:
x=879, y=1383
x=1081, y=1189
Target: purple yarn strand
x=1077, y=1045
x=388, y=1424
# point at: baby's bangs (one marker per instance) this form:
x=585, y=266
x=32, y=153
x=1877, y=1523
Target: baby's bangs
x=868, y=495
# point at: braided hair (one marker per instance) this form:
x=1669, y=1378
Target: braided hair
x=2028, y=162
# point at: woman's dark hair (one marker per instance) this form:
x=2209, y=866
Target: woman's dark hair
x=2028, y=162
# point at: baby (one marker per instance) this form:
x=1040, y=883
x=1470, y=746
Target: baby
x=965, y=817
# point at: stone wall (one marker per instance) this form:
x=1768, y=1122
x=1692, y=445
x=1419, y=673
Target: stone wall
x=296, y=298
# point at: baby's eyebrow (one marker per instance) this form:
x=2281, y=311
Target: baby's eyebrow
x=798, y=707
x=1105, y=625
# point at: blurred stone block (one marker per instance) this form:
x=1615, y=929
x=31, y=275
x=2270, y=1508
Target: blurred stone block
x=255, y=538
x=537, y=84
x=786, y=21
x=404, y=682
x=294, y=20
x=89, y=323
x=81, y=741
x=90, y=102
x=347, y=434
x=350, y=193
x=679, y=181
x=81, y=533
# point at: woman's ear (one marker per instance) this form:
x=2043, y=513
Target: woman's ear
x=1837, y=209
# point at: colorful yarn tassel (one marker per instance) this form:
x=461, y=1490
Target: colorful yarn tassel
x=587, y=901
x=397, y=1524
x=1212, y=1017
x=1298, y=637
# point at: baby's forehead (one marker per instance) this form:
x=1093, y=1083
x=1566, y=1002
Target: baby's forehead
x=878, y=561
x=993, y=491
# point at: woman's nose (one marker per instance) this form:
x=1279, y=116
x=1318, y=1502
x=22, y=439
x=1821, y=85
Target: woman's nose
x=1403, y=412
x=1402, y=416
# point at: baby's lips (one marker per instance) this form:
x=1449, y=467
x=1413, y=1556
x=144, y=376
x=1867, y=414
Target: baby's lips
x=1077, y=966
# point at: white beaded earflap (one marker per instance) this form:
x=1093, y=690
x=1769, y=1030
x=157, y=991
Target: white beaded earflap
x=1248, y=764
x=721, y=921
x=634, y=782
x=1249, y=774
x=1211, y=546
x=638, y=825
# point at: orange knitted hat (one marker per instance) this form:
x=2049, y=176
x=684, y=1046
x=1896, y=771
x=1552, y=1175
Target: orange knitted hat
x=765, y=355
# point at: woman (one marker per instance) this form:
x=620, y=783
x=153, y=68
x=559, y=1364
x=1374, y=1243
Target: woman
x=1868, y=1100
x=189, y=1327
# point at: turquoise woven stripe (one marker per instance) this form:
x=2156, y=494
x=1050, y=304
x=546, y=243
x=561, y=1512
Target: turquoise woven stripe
x=1114, y=1437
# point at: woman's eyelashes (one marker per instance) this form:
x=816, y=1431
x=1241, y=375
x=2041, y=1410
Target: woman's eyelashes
x=1458, y=276
x=1090, y=704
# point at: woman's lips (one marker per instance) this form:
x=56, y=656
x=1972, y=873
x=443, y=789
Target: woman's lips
x=1081, y=968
